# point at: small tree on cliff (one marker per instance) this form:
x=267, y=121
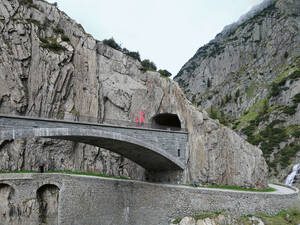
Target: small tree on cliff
x=165, y=73
x=148, y=65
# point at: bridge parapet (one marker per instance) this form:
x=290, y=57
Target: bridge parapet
x=75, y=117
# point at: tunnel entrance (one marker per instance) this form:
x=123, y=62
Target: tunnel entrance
x=166, y=121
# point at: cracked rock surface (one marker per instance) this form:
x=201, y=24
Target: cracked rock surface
x=248, y=77
x=51, y=67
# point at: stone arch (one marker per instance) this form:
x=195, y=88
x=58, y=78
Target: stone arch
x=7, y=208
x=48, y=202
x=166, y=121
x=143, y=153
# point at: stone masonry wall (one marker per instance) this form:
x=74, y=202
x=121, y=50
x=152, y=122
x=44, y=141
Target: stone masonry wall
x=91, y=200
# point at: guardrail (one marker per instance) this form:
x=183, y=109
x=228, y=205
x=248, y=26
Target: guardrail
x=74, y=116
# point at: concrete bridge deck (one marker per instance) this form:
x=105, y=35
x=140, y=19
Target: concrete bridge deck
x=154, y=149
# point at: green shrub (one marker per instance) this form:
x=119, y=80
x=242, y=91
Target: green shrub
x=135, y=55
x=112, y=43
x=255, y=140
x=296, y=133
x=65, y=38
x=282, y=82
x=275, y=122
x=216, y=50
x=275, y=90
x=53, y=46
x=58, y=30
x=237, y=95
x=289, y=110
x=269, y=138
x=288, y=153
x=272, y=137
x=25, y=2
x=228, y=98
x=295, y=75
x=148, y=65
x=165, y=73
x=224, y=120
x=249, y=130
x=44, y=40
x=296, y=98
x=208, y=83
x=276, y=87
x=286, y=55
x=213, y=113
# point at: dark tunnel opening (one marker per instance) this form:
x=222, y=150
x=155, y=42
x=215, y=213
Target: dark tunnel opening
x=166, y=121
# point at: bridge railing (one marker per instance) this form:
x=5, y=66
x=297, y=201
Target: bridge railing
x=75, y=116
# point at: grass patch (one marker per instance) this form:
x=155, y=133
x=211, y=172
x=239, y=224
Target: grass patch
x=199, y=217
x=52, y=45
x=257, y=110
x=286, y=217
x=278, y=85
x=176, y=221
x=19, y=171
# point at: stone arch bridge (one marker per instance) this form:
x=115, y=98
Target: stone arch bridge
x=154, y=149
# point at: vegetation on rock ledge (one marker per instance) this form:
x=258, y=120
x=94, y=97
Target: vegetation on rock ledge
x=285, y=217
x=146, y=63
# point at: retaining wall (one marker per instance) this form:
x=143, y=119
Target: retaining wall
x=102, y=201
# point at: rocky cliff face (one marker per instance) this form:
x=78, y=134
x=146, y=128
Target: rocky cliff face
x=248, y=78
x=50, y=67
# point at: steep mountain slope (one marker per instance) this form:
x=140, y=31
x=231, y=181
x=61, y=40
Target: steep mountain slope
x=248, y=78
x=50, y=67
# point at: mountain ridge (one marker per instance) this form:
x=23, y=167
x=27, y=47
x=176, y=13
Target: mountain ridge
x=247, y=78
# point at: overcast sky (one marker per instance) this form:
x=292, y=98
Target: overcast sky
x=168, y=32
